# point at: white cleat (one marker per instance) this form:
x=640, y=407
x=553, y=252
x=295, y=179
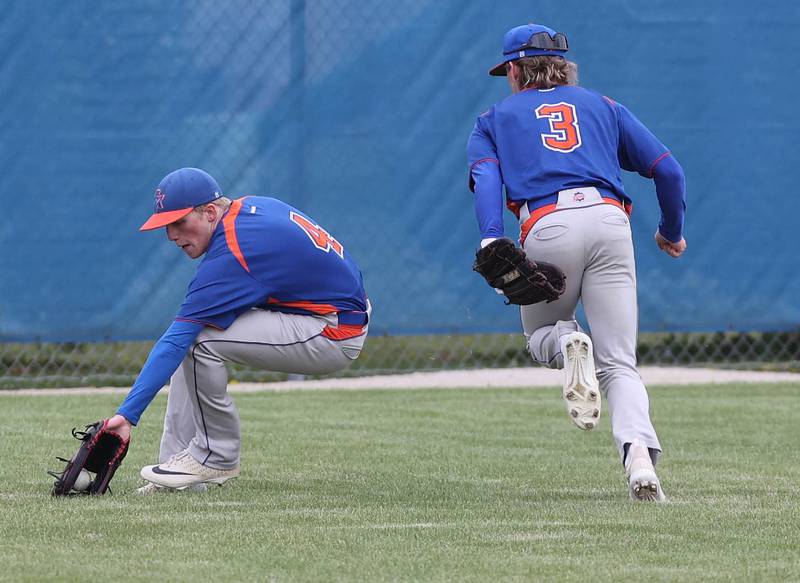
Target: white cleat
x=182, y=471
x=643, y=483
x=581, y=391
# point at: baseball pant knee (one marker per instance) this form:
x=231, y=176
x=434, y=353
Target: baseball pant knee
x=544, y=344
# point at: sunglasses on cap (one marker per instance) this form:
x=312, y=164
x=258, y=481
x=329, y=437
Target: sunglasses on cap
x=543, y=41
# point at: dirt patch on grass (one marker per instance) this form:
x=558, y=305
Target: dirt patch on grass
x=482, y=378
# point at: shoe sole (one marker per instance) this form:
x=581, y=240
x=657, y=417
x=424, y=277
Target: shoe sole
x=646, y=488
x=581, y=393
x=174, y=484
x=195, y=488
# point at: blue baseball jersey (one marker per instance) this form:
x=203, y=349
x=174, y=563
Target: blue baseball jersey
x=263, y=254
x=267, y=254
x=539, y=141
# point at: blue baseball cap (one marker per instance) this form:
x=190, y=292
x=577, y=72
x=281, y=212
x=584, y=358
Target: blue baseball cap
x=530, y=40
x=178, y=193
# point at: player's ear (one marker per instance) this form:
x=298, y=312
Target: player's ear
x=511, y=75
x=211, y=212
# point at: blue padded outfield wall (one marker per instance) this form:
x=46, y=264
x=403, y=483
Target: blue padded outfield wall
x=358, y=113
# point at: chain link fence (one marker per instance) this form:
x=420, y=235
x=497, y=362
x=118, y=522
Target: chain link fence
x=357, y=113
x=118, y=363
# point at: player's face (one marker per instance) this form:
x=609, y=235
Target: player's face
x=193, y=232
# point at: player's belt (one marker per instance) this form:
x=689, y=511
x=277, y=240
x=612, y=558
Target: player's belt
x=353, y=318
x=571, y=198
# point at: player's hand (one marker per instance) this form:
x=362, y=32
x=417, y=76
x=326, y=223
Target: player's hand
x=670, y=248
x=120, y=426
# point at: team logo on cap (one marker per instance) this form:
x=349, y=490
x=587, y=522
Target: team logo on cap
x=160, y=196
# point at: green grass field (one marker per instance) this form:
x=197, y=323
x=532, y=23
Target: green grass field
x=459, y=485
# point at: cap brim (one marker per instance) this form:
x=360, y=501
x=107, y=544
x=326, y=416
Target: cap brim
x=158, y=220
x=499, y=70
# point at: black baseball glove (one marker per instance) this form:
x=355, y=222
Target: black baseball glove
x=93, y=465
x=521, y=280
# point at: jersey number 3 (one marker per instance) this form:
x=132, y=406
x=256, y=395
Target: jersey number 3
x=565, y=135
x=319, y=236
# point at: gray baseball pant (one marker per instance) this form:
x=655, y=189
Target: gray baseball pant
x=593, y=245
x=201, y=415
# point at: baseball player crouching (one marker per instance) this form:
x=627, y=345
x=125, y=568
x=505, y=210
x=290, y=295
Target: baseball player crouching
x=558, y=150
x=274, y=291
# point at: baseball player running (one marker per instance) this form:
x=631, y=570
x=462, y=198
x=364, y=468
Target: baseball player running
x=274, y=291
x=558, y=150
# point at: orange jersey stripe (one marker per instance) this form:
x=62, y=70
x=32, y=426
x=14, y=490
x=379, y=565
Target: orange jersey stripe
x=229, y=222
x=308, y=306
x=342, y=332
x=514, y=206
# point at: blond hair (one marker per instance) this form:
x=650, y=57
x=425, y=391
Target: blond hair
x=544, y=72
x=223, y=202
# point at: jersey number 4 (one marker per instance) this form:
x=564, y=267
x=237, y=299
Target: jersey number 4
x=319, y=236
x=565, y=135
